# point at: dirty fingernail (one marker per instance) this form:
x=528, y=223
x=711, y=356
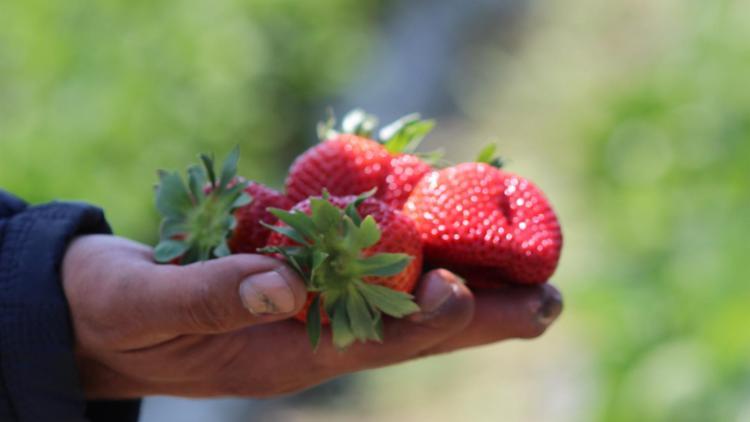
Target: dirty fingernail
x=267, y=293
x=435, y=292
x=551, y=307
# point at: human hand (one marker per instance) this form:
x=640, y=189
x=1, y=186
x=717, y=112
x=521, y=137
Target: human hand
x=220, y=328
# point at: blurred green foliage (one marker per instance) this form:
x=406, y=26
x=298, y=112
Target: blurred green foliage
x=94, y=97
x=668, y=185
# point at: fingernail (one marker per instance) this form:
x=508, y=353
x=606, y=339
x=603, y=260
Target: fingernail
x=551, y=307
x=267, y=293
x=434, y=293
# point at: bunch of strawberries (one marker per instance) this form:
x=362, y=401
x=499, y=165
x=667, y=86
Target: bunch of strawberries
x=361, y=217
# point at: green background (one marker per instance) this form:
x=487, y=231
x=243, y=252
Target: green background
x=633, y=116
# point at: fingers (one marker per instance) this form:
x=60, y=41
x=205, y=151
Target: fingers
x=510, y=311
x=271, y=359
x=224, y=294
x=447, y=307
x=452, y=317
x=119, y=296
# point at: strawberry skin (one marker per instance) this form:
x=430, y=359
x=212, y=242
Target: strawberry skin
x=398, y=235
x=406, y=172
x=249, y=234
x=477, y=219
x=344, y=165
x=349, y=165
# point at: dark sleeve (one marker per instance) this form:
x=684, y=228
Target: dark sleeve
x=38, y=373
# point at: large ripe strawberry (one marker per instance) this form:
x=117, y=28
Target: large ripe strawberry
x=355, y=268
x=352, y=162
x=213, y=216
x=477, y=219
x=344, y=165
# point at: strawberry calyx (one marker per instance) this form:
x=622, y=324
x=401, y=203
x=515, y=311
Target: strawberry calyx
x=197, y=217
x=402, y=136
x=405, y=134
x=489, y=155
x=328, y=252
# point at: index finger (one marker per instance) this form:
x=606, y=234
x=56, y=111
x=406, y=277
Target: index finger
x=509, y=311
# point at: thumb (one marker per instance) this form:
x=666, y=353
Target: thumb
x=226, y=294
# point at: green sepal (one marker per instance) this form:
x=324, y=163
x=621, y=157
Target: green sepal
x=394, y=303
x=383, y=264
x=222, y=250
x=325, y=215
x=365, y=235
x=318, y=259
x=378, y=327
x=361, y=319
x=488, y=155
x=243, y=199
x=194, y=255
x=299, y=221
x=294, y=256
x=435, y=159
x=229, y=167
x=172, y=198
x=202, y=221
x=328, y=252
x=314, y=323
x=405, y=134
x=329, y=298
x=208, y=164
x=351, y=209
x=168, y=250
x=171, y=228
x=286, y=231
x=196, y=182
x=341, y=326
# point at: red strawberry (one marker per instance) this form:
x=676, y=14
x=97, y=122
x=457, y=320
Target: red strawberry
x=249, y=234
x=352, y=162
x=356, y=268
x=475, y=218
x=344, y=165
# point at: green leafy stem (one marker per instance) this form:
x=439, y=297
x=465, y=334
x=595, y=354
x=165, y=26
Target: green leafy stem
x=327, y=250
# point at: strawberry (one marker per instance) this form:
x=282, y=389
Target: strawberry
x=212, y=217
x=344, y=165
x=249, y=234
x=352, y=162
x=481, y=221
x=355, y=268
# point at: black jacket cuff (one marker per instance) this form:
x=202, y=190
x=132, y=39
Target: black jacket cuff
x=37, y=364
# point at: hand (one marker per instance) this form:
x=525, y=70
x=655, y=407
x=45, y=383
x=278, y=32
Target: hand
x=221, y=327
